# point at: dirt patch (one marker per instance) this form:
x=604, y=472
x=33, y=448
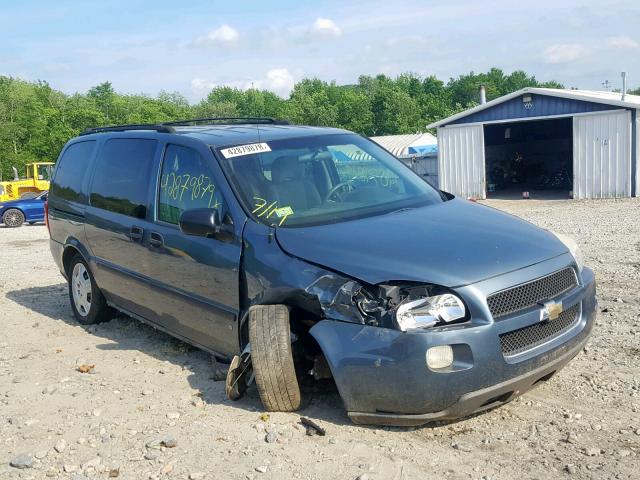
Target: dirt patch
x=148, y=408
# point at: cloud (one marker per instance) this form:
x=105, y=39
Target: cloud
x=563, y=53
x=278, y=80
x=56, y=67
x=223, y=35
x=325, y=27
x=202, y=85
x=622, y=42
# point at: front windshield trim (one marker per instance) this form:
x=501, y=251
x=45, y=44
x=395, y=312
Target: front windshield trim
x=343, y=215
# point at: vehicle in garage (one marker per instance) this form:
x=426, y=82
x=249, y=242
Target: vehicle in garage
x=248, y=239
x=552, y=143
x=26, y=210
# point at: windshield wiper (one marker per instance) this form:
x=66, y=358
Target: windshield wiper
x=400, y=210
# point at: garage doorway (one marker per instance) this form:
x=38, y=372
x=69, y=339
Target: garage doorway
x=534, y=156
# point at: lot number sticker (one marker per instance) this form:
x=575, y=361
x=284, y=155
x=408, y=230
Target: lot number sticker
x=249, y=149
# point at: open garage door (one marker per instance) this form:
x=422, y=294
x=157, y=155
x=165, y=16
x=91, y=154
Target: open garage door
x=461, y=160
x=602, y=155
x=534, y=156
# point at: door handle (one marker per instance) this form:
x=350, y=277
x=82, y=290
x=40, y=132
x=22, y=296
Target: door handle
x=135, y=234
x=156, y=240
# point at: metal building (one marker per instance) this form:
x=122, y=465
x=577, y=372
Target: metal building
x=576, y=143
x=418, y=151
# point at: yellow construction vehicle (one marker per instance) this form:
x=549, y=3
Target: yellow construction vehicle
x=36, y=181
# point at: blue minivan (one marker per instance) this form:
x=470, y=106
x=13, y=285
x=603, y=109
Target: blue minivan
x=300, y=254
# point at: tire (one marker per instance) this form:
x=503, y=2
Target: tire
x=87, y=302
x=13, y=218
x=272, y=359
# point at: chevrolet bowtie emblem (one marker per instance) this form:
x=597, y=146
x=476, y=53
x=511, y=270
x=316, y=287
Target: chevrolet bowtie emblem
x=550, y=311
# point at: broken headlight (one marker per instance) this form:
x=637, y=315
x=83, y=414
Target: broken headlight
x=397, y=306
x=428, y=312
x=573, y=247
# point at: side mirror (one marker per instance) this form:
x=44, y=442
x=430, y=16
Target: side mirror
x=200, y=222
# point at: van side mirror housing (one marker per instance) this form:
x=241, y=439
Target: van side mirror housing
x=200, y=222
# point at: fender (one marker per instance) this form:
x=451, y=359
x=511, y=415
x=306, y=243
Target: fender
x=72, y=243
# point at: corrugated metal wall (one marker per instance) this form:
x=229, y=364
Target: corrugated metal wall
x=540, y=106
x=461, y=168
x=426, y=167
x=602, y=155
x=636, y=146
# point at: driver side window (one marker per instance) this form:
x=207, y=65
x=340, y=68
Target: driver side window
x=186, y=182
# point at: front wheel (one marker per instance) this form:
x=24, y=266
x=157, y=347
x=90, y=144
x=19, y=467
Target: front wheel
x=13, y=218
x=87, y=302
x=272, y=359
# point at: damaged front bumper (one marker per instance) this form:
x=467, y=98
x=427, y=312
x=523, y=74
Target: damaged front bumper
x=383, y=378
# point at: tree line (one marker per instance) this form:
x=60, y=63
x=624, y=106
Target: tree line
x=36, y=120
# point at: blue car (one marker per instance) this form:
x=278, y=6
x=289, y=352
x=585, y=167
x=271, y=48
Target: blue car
x=17, y=212
x=257, y=242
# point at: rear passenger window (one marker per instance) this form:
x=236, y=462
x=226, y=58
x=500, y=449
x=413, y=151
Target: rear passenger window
x=186, y=182
x=71, y=169
x=121, y=179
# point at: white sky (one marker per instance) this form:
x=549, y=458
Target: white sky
x=148, y=46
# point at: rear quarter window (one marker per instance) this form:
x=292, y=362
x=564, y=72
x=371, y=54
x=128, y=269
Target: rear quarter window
x=71, y=170
x=122, y=176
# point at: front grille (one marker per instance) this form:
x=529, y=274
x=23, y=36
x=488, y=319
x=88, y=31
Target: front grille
x=530, y=294
x=523, y=339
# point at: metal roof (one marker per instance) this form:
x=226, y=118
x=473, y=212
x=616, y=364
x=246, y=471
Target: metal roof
x=594, y=96
x=399, y=144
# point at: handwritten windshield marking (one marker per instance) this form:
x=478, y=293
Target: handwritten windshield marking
x=263, y=207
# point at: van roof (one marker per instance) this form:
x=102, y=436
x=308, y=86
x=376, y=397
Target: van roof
x=222, y=134
x=236, y=134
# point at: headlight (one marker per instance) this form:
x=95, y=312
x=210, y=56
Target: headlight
x=430, y=311
x=573, y=247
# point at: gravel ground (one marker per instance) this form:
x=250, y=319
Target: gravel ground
x=148, y=408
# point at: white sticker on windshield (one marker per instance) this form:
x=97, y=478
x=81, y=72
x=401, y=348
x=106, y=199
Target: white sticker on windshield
x=249, y=149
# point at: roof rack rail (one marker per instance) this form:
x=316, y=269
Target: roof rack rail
x=232, y=120
x=123, y=128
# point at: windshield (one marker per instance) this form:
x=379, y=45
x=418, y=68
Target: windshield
x=44, y=172
x=321, y=179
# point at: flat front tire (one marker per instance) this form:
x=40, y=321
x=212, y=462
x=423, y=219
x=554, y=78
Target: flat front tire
x=272, y=359
x=13, y=218
x=87, y=302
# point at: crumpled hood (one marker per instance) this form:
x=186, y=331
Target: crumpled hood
x=451, y=244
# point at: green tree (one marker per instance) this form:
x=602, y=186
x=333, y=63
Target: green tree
x=103, y=95
x=36, y=120
x=310, y=104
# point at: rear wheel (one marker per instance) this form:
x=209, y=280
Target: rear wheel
x=13, y=218
x=272, y=359
x=87, y=302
